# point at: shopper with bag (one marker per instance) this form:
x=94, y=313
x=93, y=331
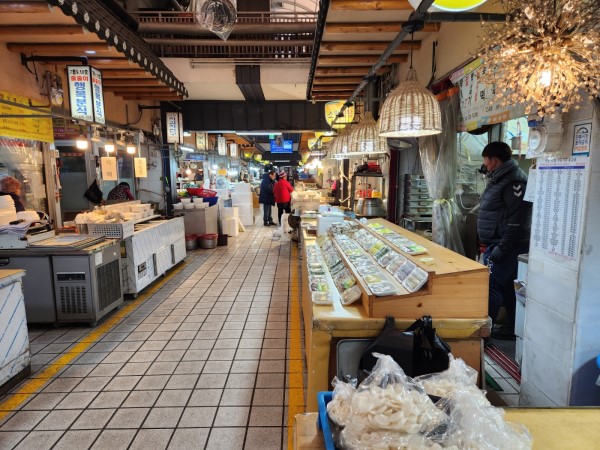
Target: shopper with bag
x=282, y=191
x=503, y=226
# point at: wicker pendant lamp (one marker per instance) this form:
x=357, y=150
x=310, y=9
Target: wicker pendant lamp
x=410, y=110
x=365, y=138
x=342, y=144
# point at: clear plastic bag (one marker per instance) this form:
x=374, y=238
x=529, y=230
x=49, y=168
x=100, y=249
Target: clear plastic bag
x=218, y=16
x=338, y=408
x=458, y=376
x=389, y=407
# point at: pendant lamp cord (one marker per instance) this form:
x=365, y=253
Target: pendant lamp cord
x=412, y=37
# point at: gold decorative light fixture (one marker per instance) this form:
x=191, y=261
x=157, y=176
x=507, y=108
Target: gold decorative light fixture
x=410, y=110
x=365, y=138
x=544, y=55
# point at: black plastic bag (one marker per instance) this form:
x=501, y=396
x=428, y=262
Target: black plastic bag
x=418, y=349
x=430, y=351
x=93, y=193
x=395, y=343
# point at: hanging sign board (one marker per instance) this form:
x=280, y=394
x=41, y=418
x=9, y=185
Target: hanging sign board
x=314, y=143
x=222, y=146
x=98, y=96
x=202, y=141
x=109, y=168
x=172, y=128
x=475, y=98
x=195, y=157
x=582, y=137
x=233, y=150
x=450, y=5
x=140, y=167
x=180, y=121
x=86, y=98
x=332, y=109
x=37, y=129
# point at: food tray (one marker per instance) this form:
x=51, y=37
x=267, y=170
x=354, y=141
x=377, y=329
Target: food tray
x=111, y=230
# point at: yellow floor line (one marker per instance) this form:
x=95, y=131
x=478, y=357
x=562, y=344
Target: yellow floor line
x=295, y=374
x=35, y=384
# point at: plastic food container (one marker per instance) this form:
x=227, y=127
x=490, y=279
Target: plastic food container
x=208, y=240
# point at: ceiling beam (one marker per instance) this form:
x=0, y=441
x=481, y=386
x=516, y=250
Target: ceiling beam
x=124, y=90
x=116, y=82
x=341, y=61
x=26, y=7
x=373, y=27
x=40, y=30
x=348, y=71
x=370, y=5
x=34, y=47
x=365, y=46
x=337, y=80
x=152, y=98
x=334, y=88
x=125, y=73
x=229, y=42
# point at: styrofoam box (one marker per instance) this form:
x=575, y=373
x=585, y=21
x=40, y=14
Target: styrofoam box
x=244, y=198
x=247, y=219
x=230, y=212
x=241, y=188
x=230, y=226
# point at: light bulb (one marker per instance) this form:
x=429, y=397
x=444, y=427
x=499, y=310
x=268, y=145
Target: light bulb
x=131, y=149
x=81, y=143
x=109, y=147
x=188, y=171
x=546, y=78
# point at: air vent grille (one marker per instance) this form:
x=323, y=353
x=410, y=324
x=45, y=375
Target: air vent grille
x=109, y=284
x=73, y=300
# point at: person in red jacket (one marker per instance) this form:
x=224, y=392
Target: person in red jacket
x=282, y=191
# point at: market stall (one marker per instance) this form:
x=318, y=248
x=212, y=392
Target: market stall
x=451, y=288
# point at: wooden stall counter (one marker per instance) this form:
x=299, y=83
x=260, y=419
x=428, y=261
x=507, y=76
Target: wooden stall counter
x=325, y=325
x=550, y=428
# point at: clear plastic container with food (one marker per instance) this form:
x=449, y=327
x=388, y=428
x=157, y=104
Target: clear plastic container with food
x=384, y=288
x=351, y=295
x=382, y=252
x=415, y=280
x=372, y=279
x=371, y=269
x=318, y=284
x=322, y=298
x=413, y=249
x=404, y=270
x=376, y=247
x=395, y=264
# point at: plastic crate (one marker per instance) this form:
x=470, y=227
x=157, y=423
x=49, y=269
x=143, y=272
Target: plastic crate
x=323, y=422
x=111, y=230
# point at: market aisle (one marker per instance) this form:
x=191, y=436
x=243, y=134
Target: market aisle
x=201, y=363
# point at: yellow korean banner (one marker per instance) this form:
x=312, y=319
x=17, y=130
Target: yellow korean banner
x=37, y=128
x=332, y=109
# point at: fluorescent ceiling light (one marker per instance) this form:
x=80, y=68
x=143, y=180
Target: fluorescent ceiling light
x=257, y=133
x=187, y=133
x=186, y=149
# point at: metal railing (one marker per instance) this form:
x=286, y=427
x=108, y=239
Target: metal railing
x=188, y=17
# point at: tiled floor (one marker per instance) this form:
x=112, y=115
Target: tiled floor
x=510, y=388
x=201, y=363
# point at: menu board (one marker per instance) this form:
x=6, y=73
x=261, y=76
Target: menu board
x=558, y=208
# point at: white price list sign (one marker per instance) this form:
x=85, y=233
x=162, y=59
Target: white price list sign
x=139, y=165
x=558, y=208
x=109, y=168
x=80, y=93
x=222, y=146
x=172, y=127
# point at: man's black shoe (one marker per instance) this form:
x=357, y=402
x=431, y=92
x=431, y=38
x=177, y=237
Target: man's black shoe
x=266, y=225
x=504, y=334
x=272, y=224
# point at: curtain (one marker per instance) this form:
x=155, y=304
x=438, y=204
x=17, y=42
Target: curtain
x=438, y=160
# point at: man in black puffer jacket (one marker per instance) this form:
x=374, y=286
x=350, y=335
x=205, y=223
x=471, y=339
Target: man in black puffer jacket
x=266, y=197
x=504, y=226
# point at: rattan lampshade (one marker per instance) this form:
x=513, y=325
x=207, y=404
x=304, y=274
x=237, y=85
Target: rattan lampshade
x=341, y=144
x=410, y=111
x=365, y=138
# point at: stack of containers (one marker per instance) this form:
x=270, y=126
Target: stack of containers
x=229, y=221
x=8, y=213
x=242, y=199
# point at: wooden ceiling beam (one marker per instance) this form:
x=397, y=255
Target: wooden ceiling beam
x=25, y=7
x=367, y=61
x=150, y=98
x=125, y=73
x=337, y=80
x=131, y=90
x=347, y=71
x=373, y=27
x=336, y=88
x=366, y=46
x=370, y=5
x=56, y=47
x=40, y=30
x=121, y=82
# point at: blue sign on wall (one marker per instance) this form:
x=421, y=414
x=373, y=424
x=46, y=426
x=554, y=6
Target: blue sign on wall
x=195, y=157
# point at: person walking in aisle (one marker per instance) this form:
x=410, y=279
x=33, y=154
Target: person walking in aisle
x=282, y=191
x=503, y=226
x=266, y=196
